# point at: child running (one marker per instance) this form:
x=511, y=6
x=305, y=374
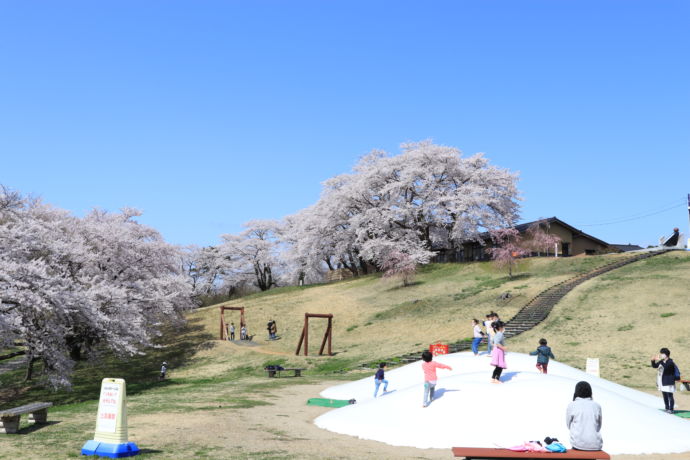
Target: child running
x=378, y=379
x=498, y=354
x=543, y=353
x=429, y=368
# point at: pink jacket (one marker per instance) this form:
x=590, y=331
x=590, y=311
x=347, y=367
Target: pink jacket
x=430, y=370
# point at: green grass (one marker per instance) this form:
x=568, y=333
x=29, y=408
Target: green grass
x=211, y=377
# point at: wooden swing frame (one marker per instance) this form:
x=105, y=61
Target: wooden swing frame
x=327, y=337
x=223, y=329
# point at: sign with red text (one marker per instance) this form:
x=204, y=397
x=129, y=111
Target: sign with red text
x=108, y=407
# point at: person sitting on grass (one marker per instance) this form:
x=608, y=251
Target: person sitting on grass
x=429, y=368
x=378, y=379
x=543, y=353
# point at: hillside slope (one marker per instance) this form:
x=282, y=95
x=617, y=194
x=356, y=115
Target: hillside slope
x=377, y=319
x=622, y=318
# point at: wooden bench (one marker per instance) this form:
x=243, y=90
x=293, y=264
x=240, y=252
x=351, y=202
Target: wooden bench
x=471, y=453
x=9, y=418
x=297, y=372
x=685, y=383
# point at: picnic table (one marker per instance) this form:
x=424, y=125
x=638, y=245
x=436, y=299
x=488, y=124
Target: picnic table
x=274, y=371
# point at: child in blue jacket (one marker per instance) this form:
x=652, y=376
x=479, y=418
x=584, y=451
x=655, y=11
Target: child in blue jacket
x=543, y=354
x=378, y=379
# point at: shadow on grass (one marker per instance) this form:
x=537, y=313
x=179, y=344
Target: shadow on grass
x=140, y=372
x=36, y=426
x=404, y=286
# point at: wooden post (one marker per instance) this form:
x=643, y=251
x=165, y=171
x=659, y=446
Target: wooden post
x=306, y=334
x=327, y=337
x=222, y=324
x=299, y=345
x=330, y=335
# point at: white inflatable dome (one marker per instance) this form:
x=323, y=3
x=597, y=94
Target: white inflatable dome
x=471, y=411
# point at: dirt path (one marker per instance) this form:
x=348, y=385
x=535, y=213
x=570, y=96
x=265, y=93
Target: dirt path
x=284, y=430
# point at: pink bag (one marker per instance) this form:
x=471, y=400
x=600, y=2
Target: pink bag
x=528, y=447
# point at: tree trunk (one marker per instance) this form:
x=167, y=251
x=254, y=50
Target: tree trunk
x=75, y=352
x=363, y=266
x=29, y=369
x=328, y=262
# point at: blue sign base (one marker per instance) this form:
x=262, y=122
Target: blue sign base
x=104, y=449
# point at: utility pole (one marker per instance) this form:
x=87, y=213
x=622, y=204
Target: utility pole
x=687, y=239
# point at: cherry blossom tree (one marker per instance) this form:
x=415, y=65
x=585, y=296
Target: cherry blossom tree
x=537, y=238
x=399, y=265
x=508, y=249
x=253, y=254
x=429, y=194
x=70, y=287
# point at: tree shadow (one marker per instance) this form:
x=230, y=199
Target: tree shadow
x=141, y=372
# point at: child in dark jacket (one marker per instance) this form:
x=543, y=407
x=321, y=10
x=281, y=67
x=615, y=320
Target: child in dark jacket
x=378, y=379
x=543, y=354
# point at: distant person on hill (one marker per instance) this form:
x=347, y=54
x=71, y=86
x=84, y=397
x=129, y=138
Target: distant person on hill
x=666, y=377
x=164, y=371
x=498, y=355
x=274, y=329
x=477, y=335
x=489, y=332
x=429, y=368
x=583, y=418
x=379, y=379
x=269, y=327
x=543, y=353
x=232, y=331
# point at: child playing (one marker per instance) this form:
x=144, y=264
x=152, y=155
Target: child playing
x=489, y=332
x=429, y=368
x=477, y=335
x=499, y=352
x=543, y=353
x=164, y=370
x=378, y=379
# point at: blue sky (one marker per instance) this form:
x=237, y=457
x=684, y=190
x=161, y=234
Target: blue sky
x=207, y=114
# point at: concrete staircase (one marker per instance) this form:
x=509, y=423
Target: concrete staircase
x=539, y=307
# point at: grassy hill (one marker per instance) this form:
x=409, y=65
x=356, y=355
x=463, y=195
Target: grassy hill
x=621, y=317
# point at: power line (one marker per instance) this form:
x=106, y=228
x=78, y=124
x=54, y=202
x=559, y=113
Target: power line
x=634, y=216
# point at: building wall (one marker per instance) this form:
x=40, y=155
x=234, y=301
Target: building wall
x=585, y=245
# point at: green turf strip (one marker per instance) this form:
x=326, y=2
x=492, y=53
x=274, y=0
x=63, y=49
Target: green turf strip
x=327, y=402
x=680, y=413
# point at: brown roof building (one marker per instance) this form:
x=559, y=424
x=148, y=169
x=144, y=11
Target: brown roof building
x=573, y=243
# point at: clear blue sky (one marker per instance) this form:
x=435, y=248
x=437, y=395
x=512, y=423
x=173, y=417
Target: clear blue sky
x=206, y=114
